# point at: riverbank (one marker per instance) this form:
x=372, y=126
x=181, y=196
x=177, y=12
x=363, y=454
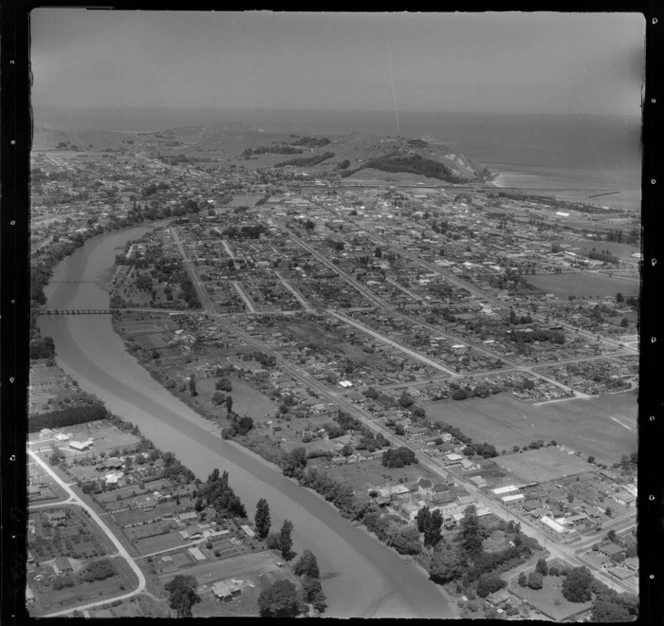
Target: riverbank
x=368, y=576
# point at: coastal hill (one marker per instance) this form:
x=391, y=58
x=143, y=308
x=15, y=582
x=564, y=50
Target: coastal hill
x=353, y=155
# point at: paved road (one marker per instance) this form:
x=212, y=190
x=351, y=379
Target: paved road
x=417, y=322
x=74, y=499
x=565, y=553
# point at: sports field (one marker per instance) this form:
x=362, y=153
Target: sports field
x=603, y=427
x=583, y=284
x=543, y=464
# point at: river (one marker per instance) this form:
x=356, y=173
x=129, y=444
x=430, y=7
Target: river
x=371, y=580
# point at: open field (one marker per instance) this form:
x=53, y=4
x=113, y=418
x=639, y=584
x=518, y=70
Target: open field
x=603, y=427
x=549, y=599
x=361, y=476
x=583, y=284
x=543, y=464
x=247, y=399
x=158, y=542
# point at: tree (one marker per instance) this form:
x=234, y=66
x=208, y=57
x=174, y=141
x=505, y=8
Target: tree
x=285, y=540
x=192, y=386
x=405, y=540
x=182, y=594
x=620, y=298
x=607, y=611
x=611, y=535
x=262, y=518
x=223, y=384
x=535, y=580
x=522, y=579
x=218, y=398
x=432, y=529
x=542, y=567
x=488, y=583
x=378, y=253
x=624, y=323
x=577, y=585
x=471, y=539
x=422, y=518
x=307, y=565
x=445, y=564
x=279, y=600
x=591, y=459
x=313, y=593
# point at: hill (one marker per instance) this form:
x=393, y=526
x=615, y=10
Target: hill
x=355, y=154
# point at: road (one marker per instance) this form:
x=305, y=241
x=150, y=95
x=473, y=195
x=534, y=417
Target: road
x=416, y=322
x=411, y=353
x=465, y=284
x=75, y=500
x=248, y=302
x=565, y=553
x=296, y=294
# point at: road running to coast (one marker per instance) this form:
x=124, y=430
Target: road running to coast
x=73, y=499
x=563, y=552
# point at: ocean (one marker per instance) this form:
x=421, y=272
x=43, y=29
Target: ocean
x=572, y=156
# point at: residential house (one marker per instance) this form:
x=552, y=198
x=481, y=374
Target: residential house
x=61, y=565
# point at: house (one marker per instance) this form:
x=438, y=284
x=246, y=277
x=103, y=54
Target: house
x=55, y=517
x=29, y=596
x=248, y=531
x=227, y=589
x=498, y=597
x=479, y=481
x=112, y=478
x=196, y=554
x=61, y=565
x=469, y=465
x=186, y=517
x=81, y=445
x=46, y=432
x=465, y=500
x=612, y=550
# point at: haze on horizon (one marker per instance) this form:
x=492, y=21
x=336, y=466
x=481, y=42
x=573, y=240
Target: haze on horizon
x=549, y=63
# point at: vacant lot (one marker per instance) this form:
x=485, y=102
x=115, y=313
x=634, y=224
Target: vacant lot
x=543, y=464
x=603, y=427
x=361, y=476
x=583, y=284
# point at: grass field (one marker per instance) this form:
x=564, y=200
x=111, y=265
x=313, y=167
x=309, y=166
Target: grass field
x=157, y=543
x=543, y=464
x=583, y=284
x=603, y=427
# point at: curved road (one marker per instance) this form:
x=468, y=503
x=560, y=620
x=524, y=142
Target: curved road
x=74, y=499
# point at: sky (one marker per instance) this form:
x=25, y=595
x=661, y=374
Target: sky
x=560, y=63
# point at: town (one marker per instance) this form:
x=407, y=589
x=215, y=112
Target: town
x=434, y=355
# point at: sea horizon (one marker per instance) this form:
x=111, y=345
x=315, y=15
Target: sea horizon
x=527, y=150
